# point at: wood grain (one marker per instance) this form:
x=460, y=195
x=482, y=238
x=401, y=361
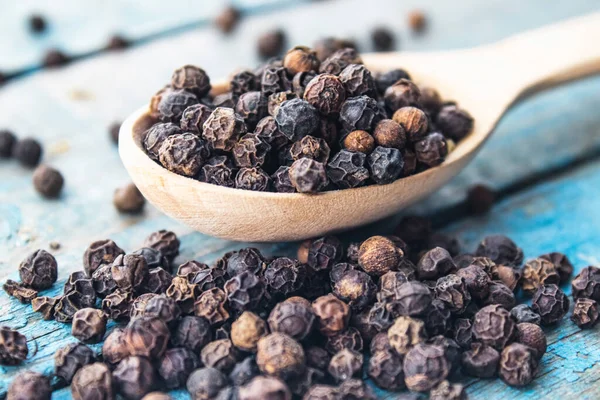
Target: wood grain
x=70, y=109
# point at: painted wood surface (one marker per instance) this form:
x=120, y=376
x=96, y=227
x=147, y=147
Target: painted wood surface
x=70, y=109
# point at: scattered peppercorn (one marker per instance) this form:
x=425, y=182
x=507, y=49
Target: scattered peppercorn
x=551, y=303
x=417, y=21
x=518, y=365
x=55, y=58
x=13, y=346
x=533, y=336
x=89, y=325
x=270, y=44
x=128, y=199
x=228, y=19
x=27, y=151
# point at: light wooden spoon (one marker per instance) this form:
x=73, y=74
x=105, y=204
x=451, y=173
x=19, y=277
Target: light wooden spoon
x=484, y=80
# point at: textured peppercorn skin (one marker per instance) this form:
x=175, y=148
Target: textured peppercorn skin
x=332, y=314
x=280, y=355
x=268, y=130
x=223, y=128
x=253, y=178
x=173, y=103
x=247, y=330
x=345, y=365
x=155, y=136
x=355, y=288
x=386, y=165
x=538, y=272
x=100, y=252
x=454, y=122
x=89, y=325
x=176, y=366
x=243, y=82
x=326, y=93
x=274, y=80
x=252, y=107
x=585, y=313
x=310, y=147
x=452, y=290
x=39, y=270
x=476, y=280
x=347, y=169
x=191, y=79
x=359, y=113
x=281, y=180
x=117, y=304
x=386, y=370
x=551, y=303
x=414, y=122
x=194, y=117
x=297, y=118
x=244, y=291
x=130, y=271
x=69, y=359
x=44, y=305
x=494, y=326
x=29, y=385
x=250, y=151
x=357, y=81
x=218, y=170
x=348, y=339
x=308, y=176
x=501, y=250
x=518, y=365
x=300, y=59
x=405, y=333
x=425, y=366
x=340, y=59
x=147, y=337
x=183, y=154
x=13, y=347
x=164, y=241
x=389, y=133
x=134, y=377
x=93, y=382
x=211, y=306
x=586, y=284
x=264, y=387
x=432, y=150
x=480, y=361
x=294, y=319
x=402, y=93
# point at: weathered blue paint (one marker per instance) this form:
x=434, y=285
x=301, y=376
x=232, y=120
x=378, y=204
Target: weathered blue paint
x=72, y=108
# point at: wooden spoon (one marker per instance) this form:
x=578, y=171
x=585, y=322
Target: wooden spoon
x=484, y=80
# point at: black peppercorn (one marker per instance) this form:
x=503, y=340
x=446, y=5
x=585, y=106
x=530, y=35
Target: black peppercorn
x=134, y=377
x=300, y=59
x=281, y=180
x=462, y=332
x=172, y=104
x=93, y=381
x=164, y=241
x=386, y=165
x=405, y=333
x=244, y=371
x=156, y=135
x=402, y=93
x=211, y=306
x=345, y=365
x=128, y=199
x=561, y=262
x=39, y=270
x=586, y=284
x=452, y=290
x=13, y=346
x=138, y=306
x=385, y=368
x=294, y=318
x=524, y=313
x=218, y=170
x=493, y=326
x=103, y=281
x=193, y=118
x=158, y=280
x=410, y=298
x=533, y=336
x=44, y=305
x=252, y=107
x=69, y=359
x=518, y=365
x=348, y=339
x=432, y=150
x=29, y=385
x=383, y=39
x=183, y=292
x=89, y=325
x=183, y=154
x=356, y=389
x=274, y=80
x=223, y=128
x=193, y=333
x=480, y=361
x=551, y=303
x=585, y=313
x=357, y=80
x=325, y=47
x=264, y=387
x=100, y=252
x=359, y=113
x=7, y=142
x=387, y=79
x=164, y=308
x=27, y=151
x=268, y=130
x=280, y=355
x=346, y=169
x=437, y=318
x=500, y=294
x=250, y=151
x=115, y=348
x=228, y=19
x=284, y=276
x=116, y=305
x=176, y=366
x=252, y=179
x=476, y=280
x=310, y=147
x=425, y=366
x=501, y=250
x=277, y=99
x=308, y=176
x=448, y=391
x=326, y=93
x=147, y=337
x=191, y=79
x=355, y=288
x=207, y=278
x=435, y=263
x=205, y=383
x=270, y=44
x=297, y=118
x=244, y=291
x=454, y=122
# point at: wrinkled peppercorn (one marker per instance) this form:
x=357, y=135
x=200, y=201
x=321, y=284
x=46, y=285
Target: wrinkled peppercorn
x=308, y=176
x=347, y=169
x=435, y=263
x=524, y=313
x=355, y=288
x=20, y=292
x=586, y=284
x=102, y=280
x=277, y=99
x=280, y=355
x=128, y=199
x=29, y=385
x=268, y=130
x=480, y=361
x=431, y=150
x=158, y=280
x=476, y=280
x=389, y=133
x=359, y=141
x=425, y=366
x=252, y=107
x=332, y=313
x=538, y=272
x=385, y=368
x=324, y=252
x=89, y=325
x=551, y=303
x=448, y=391
x=207, y=278
x=340, y=59
x=462, y=332
x=13, y=346
x=247, y=330
x=134, y=377
x=183, y=154
x=191, y=79
x=405, y=333
x=252, y=179
x=93, y=381
x=274, y=80
x=176, y=366
x=100, y=252
x=300, y=59
x=211, y=306
x=218, y=170
x=244, y=371
x=147, y=337
x=452, y=290
x=402, y=93
x=345, y=365
x=310, y=147
x=493, y=326
x=205, y=383
x=223, y=128
x=193, y=333
x=356, y=389
x=138, y=306
x=116, y=305
x=164, y=308
x=48, y=181
x=533, y=336
x=164, y=241
x=357, y=80
x=130, y=271
x=156, y=135
x=348, y=339
x=326, y=93
x=410, y=298
x=172, y=104
x=325, y=47
x=193, y=118
x=294, y=318
x=250, y=151
x=284, y=276
x=297, y=118
x=69, y=359
x=183, y=292
x=359, y=113
x=281, y=180
x=39, y=270
x=264, y=387
x=501, y=250
x=518, y=365
x=44, y=305
x=244, y=291
x=561, y=262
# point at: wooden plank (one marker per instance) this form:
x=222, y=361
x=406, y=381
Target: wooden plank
x=70, y=109
x=80, y=28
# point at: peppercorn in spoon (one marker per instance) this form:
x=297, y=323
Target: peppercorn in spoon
x=485, y=80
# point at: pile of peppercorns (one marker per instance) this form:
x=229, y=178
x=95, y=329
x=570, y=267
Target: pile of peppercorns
x=253, y=327
x=309, y=122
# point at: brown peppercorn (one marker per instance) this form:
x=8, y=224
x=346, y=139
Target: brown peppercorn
x=138, y=306
x=332, y=313
x=493, y=326
x=69, y=359
x=192, y=79
x=480, y=198
x=509, y=276
x=326, y=93
x=538, y=272
x=359, y=141
x=211, y=306
x=405, y=333
x=308, y=176
x=250, y=151
x=533, y=336
x=462, y=332
x=39, y=270
x=417, y=21
x=355, y=288
x=294, y=318
x=480, y=361
x=586, y=284
x=194, y=117
x=13, y=346
x=402, y=93
x=115, y=348
x=130, y=272
x=378, y=255
x=223, y=128
x=93, y=381
x=452, y=290
x=128, y=199
x=389, y=133
x=518, y=365
x=89, y=325
x=147, y=337
x=116, y=305
x=100, y=252
x=44, y=305
x=501, y=250
x=414, y=121
x=345, y=365
x=326, y=46
x=28, y=152
x=19, y=292
x=29, y=385
x=247, y=330
x=585, y=313
x=134, y=377
x=270, y=44
x=48, y=181
x=218, y=170
x=389, y=284
x=220, y=354
x=176, y=366
x=183, y=292
x=228, y=19
x=348, y=339
x=425, y=366
x=448, y=391
x=264, y=387
x=279, y=355
x=173, y=103
x=275, y=100
x=205, y=383
x=252, y=107
x=431, y=101
x=268, y=130
x=561, y=263
x=300, y=59
x=385, y=368
x=335, y=63
x=551, y=303
x=435, y=263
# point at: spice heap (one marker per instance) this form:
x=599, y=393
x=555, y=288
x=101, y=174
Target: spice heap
x=409, y=310
x=315, y=120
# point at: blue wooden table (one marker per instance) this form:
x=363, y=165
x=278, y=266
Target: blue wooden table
x=543, y=160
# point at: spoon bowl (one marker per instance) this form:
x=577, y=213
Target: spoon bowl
x=484, y=80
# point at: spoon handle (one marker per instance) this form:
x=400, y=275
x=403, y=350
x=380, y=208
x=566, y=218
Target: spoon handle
x=551, y=55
